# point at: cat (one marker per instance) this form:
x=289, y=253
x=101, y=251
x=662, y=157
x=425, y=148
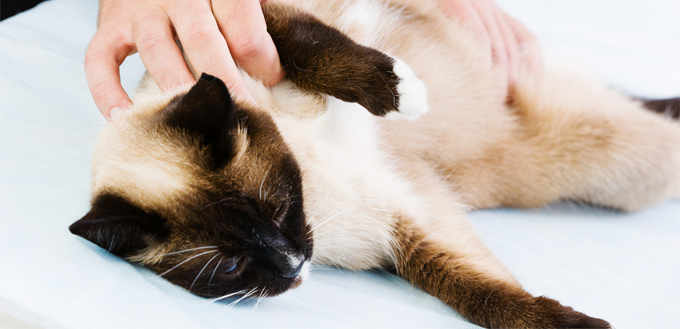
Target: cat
x=386, y=130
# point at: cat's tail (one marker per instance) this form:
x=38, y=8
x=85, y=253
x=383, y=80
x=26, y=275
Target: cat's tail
x=669, y=107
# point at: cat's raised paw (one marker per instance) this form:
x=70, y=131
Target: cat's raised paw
x=412, y=101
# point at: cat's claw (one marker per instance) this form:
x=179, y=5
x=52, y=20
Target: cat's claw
x=412, y=93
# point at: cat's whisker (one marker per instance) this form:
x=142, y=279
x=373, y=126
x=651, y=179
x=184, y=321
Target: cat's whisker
x=293, y=196
x=188, y=259
x=277, y=193
x=201, y=272
x=248, y=294
x=315, y=267
x=263, y=294
x=213, y=203
x=315, y=236
x=335, y=216
x=263, y=179
x=266, y=193
x=215, y=270
x=337, y=206
x=187, y=250
x=325, y=243
x=224, y=297
x=323, y=202
x=112, y=244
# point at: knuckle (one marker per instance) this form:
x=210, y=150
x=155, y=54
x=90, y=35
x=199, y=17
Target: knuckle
x=523, y=34
x=150, y=39
x=513, y=53
x=95, y=50
x=486, y=42
x=248, y=46
x=530, y=39
x=89, y=56
x=503, y=60
x=101, y=91
x=500, y=58
x=96, y=42
x=231, y=83
x=200, y=35
x=106, y=45
x=235, y=86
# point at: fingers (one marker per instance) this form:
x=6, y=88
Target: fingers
x=499, y=49
x=511, y=48
x=528, y=45
x=511, y=45
x=156, y=45
x=126, y=26
x=105, y=54
x=467, y=15
x=204, y=45
x=243, y=26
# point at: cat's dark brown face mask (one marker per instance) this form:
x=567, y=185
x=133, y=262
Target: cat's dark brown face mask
x=241, y=230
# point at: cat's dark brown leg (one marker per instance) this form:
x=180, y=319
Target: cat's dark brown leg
x=476, y=295
x=319, y=58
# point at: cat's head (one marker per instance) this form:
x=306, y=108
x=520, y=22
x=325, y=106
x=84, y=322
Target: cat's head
x=203, y=191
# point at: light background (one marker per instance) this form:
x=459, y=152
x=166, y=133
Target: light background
x=624, y=268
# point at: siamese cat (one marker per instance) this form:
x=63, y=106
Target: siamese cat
x=386, y=130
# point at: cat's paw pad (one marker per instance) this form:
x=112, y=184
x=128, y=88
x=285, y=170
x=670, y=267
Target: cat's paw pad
x=412, y=101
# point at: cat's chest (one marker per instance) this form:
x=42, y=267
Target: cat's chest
x=351, y=188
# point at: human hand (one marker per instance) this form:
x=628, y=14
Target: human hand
x=511, y=46
x=215, y=36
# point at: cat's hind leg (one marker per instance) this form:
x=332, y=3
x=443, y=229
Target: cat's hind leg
x=579, y=140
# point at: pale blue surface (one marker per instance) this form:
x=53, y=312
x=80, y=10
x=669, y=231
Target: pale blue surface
x=622, y=267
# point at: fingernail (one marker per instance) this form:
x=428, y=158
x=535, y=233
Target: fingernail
x=115, y=112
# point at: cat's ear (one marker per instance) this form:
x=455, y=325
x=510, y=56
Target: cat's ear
x=118, y=226
x=207, y=111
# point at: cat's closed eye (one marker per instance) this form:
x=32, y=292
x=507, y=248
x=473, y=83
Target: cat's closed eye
x=232, y=264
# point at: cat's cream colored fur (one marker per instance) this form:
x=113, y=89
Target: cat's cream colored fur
x=567, y=137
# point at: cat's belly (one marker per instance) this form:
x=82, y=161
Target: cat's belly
x=352, y=192
x=467, y=114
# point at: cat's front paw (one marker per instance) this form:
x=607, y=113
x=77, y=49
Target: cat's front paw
x=412, y=94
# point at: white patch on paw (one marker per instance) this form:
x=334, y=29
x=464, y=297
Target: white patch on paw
x=412, y=93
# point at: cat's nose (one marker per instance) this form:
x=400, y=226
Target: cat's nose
x=289, y=264
x=286, y=262
x=293, y=272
